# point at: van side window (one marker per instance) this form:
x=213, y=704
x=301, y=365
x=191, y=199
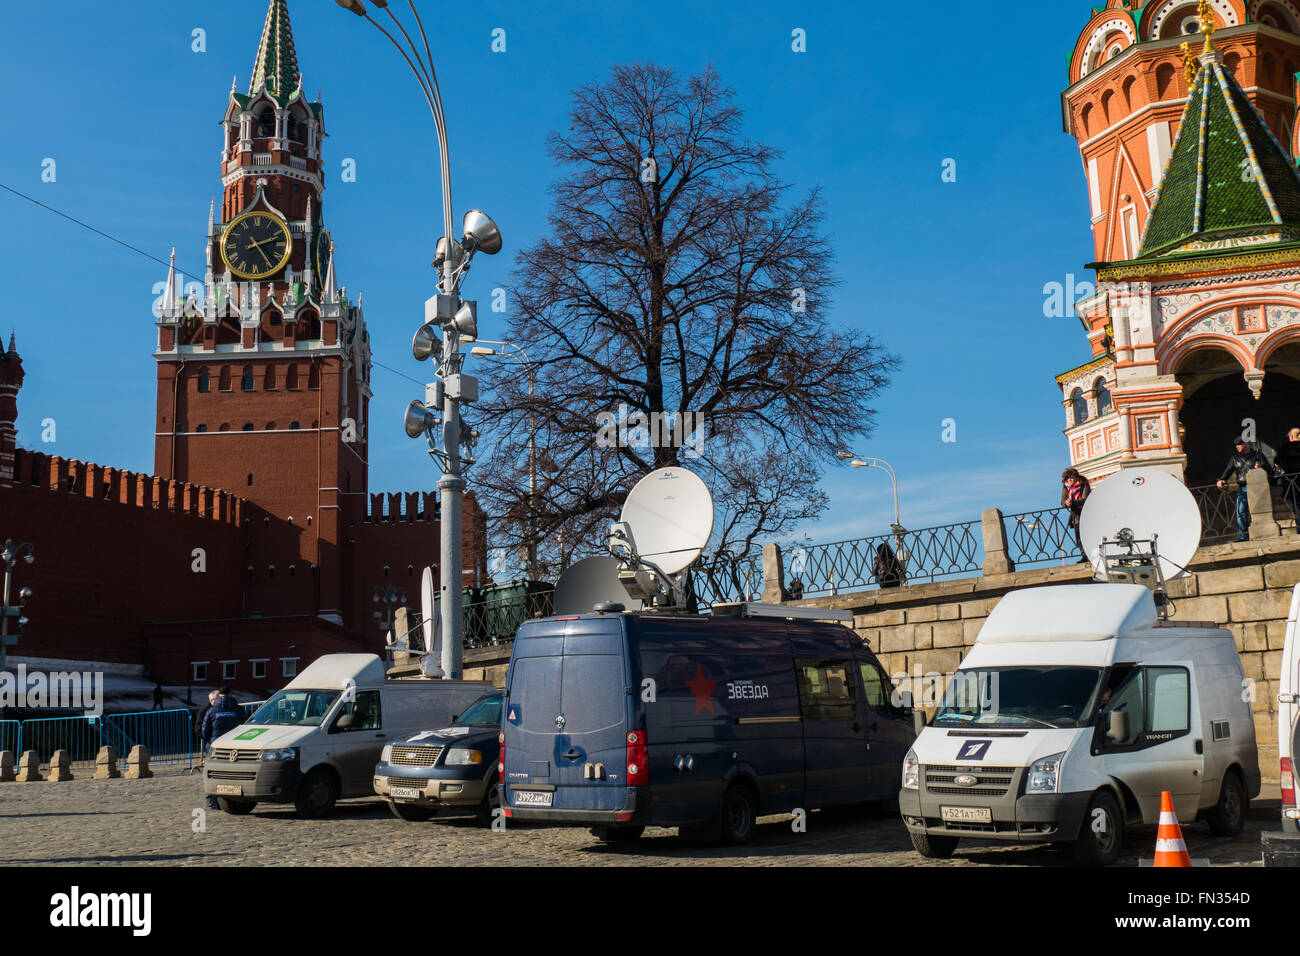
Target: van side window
x=1158, y=701
x=877, y=687
x=1126, y=695
x=1169, y=700
x=826, y=689
x=364, y=711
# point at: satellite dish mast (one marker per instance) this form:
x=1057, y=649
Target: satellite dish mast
x=1141, y=526
x=589, y=582
x=663, y=527
x=430, y=627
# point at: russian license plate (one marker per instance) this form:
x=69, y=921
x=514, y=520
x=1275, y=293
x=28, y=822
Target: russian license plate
x=230, y=789
x=533, y=798
x=966, y=814
x=405, y=793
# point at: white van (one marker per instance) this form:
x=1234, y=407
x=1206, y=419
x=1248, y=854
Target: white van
x=318, y=740
x=1288, y=718
x=1075, y=708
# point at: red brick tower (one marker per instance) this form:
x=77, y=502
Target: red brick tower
x=263, y=375
x=11, y=380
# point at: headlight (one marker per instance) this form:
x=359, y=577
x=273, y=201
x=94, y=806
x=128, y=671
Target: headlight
x=288, y=753
x=911, y=771
x=463, y=757
x=1045, y=775
x=387, y=753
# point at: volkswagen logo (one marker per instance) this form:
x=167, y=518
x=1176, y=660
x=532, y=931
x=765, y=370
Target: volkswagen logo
x=965, y=780
x=559, y=722
x=234, y=755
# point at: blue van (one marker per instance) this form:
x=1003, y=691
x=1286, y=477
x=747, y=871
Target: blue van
x=619, y=721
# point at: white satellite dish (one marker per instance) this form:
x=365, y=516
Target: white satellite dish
x=1149, y=503
x=670, y=514
x=431, y=622
x=589, y=582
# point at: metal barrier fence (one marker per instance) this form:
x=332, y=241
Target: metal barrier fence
x=168, y=735
x=11, y=736
x=1041, y=537
x=1218, y=507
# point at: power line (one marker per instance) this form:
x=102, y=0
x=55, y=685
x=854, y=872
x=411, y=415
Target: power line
x=139, y=251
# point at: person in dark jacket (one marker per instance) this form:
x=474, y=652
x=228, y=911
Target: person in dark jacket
x=1287, y=464
x=157, y=696
x=225, y=714
x=1075, y=490
x=1243, y=461
x=886, y=567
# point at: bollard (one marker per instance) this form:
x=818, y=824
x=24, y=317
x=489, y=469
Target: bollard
x=137, y=763
x=6, y=766
x=60, y=766
x=106, y=764
x=29, y=767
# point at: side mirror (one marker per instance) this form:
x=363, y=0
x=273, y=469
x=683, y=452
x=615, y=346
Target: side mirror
x=918, y=721
x=344, y=722
x=1118, y=728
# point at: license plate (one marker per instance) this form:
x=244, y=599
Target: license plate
x=966, y=814
x=405, y=793
x=533, y=798
x=230, y=790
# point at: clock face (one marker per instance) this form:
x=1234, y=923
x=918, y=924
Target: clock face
x=256, y=245
x=322, y=255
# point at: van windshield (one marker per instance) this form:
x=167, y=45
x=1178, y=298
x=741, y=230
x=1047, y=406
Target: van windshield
x=1020, y=697
x=296, y=708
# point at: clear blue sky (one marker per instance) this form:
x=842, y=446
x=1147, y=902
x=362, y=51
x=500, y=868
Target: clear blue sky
x=949, y=276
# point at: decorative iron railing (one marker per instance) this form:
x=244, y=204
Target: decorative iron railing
x=1041, y=537
x=1218, y=508
x=724, y=578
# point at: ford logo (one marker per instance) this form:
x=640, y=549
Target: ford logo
x=965, y=780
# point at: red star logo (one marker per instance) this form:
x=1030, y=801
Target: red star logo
x=703, y=691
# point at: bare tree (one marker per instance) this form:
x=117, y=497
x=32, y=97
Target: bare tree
x=678, y=279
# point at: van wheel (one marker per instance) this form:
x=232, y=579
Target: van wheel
x=1227, y=818
x=410, y=813
x=933, y=847
x=737, y=816
x=490, y=804
x=617, y=834
x=317, y=794
x=236, y=808
x=1101, y=835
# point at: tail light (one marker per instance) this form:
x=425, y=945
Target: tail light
x=638, y=759
x=1288, y=783
x=501, y=754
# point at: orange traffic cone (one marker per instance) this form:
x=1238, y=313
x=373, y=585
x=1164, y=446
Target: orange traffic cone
x=1170, y=848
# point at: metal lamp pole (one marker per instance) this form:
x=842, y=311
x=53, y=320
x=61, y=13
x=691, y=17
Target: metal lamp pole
x=10, y=555
x=527, y=363
x=863, y=461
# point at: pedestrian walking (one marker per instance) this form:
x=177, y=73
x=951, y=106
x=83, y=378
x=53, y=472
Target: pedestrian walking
x=157, y=696
x=1244, y=460
x=1075, y=490
x=1287, y=465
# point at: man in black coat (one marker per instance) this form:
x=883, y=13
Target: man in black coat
x=1243, y=461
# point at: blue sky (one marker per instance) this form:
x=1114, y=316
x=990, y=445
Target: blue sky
x=949, y=276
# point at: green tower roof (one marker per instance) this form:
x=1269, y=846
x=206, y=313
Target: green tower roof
x=277, y=62
x=1227, y=176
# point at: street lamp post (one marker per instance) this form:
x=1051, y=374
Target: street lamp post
x=388, y=596
x=863, y=461
x=482, y=350
x=10, y=556
x=456, y=319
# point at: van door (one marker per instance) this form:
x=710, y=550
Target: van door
x=357, y=737
x=1160, y=751
x=835, y=750
x=889, y=735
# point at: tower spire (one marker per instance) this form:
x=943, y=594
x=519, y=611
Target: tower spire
x=1206, y=15
x=169, y=297
x=331, y=290
x=277, y=61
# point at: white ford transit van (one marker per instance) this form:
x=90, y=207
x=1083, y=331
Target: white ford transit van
x=1075, y=708
x=318, y=740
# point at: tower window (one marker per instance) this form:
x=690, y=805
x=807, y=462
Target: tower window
x=1080, y=406
x=223, y=381
x=313, y=378
x=270, y=426
x=250, y=484
x=202, y=428
x=293, y=426
x=225, y=427
x=1104, y=402
x=203, y=380
x=266, y=122
x=291, y=378
x=248, y=427
x=248, y=378
x=268, y=380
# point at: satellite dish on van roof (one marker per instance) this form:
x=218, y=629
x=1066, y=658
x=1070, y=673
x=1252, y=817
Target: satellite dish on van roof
x=1143, y=503
x=589, y=582
x=670, y=514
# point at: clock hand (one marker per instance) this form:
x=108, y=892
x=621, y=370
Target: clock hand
x=254, y=245
x=262, y=254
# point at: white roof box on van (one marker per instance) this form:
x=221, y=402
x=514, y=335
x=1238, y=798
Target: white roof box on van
x=335, y=670
x=1069, y=612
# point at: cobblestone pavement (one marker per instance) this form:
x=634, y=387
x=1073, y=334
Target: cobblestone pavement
x=151, y=822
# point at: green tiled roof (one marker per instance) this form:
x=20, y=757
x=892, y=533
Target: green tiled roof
x=277, y=62
x=1227, y=175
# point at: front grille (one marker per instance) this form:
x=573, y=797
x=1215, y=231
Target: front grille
x=405, y=755
x=989, y=781
x=408, y=782
x=224, y=754
x=232, y=775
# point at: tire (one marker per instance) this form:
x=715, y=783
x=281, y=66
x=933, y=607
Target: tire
x=1227, y=818
x=490, y=803
x=317, y=794
x=237, y=808
x=933, y=847
x=1100, y=845
x=617, y=835
x=409, y=812
x=737, y=815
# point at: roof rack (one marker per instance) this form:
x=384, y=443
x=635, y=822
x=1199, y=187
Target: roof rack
x=759, y=609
